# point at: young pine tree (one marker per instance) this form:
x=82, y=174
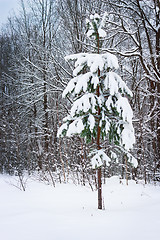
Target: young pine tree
x=100, y=109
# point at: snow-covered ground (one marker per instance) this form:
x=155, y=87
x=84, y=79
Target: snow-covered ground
x=69, y=212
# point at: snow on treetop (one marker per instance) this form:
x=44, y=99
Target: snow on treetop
x=95, y=25
x=95, y=16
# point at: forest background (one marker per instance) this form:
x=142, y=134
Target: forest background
x=33, y=75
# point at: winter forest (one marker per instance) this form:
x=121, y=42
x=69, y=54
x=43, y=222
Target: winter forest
x=80, y=91
x=80, y=120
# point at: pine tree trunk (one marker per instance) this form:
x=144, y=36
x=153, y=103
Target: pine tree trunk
x=99, y=147
x=99, y=188
x=99, y=169
x=98, y=143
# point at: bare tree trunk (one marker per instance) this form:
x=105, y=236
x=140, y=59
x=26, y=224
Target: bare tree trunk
x=157, y=7
x=98, y=143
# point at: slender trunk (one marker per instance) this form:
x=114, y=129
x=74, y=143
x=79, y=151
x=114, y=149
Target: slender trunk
x=99, y=169
x=158, y=68
x=46, y=140
x=98, y=143
x=45, y=97
x=99, y=188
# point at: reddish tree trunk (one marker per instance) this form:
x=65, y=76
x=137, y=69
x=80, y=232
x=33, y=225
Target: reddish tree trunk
x=98, y=145
x=99, y=188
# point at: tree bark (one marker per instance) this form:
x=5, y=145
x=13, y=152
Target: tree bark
x=99, y=188
x=98, y=141
x=157, y=7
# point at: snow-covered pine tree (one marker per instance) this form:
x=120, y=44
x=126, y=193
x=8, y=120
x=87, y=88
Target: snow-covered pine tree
x=100, y=109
